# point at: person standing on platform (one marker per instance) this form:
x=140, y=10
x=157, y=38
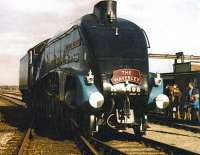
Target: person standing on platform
x=177, y=94
x=169, y=93
x=194, y=102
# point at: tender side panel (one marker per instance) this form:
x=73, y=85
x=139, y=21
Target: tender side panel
x=23, y=79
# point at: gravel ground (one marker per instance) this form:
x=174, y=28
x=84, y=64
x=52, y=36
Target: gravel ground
x=176, y=137
x=46, y=146
x=13, y=120
x=9, y=142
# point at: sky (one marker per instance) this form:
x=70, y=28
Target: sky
x=171, y=25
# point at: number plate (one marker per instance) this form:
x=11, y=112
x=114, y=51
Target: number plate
x=123, y=75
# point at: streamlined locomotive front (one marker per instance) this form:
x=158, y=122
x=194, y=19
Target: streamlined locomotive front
x=119, y=63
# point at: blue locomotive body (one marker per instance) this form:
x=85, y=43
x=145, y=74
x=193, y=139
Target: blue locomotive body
x=96, y=73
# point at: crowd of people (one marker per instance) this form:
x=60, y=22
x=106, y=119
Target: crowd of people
x=183, y=106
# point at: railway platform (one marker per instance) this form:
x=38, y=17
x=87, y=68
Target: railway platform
x=176, y=137
x=176, y=123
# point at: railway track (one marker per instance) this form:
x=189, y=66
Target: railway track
x=112, y=143
x=26, y=139
x=10, y=138
x=97, y=146
x=45, y=140
x=128, y=144
x=12, y=95
x=126, y=147
x=14, y=99
x=12, y=126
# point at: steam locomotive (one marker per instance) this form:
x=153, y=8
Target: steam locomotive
x=95, y=73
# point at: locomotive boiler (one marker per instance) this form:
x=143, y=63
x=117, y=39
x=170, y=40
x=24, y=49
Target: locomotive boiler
x=95, y=73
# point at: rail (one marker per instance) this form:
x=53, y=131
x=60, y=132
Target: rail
x=132, y=145
x=92, y=145
x=13, y=99
x=128, y=144
x=167, y=148
x=13, y=95
x=103, y=148
x=26, y=138
x=85, y=146
x=96, y=146
x=25, y=141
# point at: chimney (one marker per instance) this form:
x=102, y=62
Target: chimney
x=106, y=10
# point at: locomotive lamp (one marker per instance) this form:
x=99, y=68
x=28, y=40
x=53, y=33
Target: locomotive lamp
x=156, y=96
x=162, y=101
x=90, y=77
x=157, y=80
x=96, y=100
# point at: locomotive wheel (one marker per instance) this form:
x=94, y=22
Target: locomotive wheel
x=137, y=131
x=69, y=106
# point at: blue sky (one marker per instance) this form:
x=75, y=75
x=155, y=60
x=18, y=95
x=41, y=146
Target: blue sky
x=171, y=25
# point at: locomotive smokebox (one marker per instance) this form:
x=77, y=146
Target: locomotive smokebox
x=106, y=10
